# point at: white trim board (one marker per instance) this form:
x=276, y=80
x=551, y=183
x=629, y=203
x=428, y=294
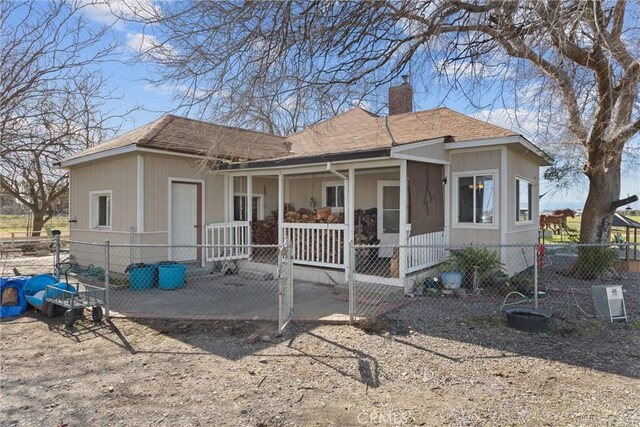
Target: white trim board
x=110, y=213
x=497, y=201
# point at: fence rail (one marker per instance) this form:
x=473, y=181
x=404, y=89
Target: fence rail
x=227, y=241
x=319, y=245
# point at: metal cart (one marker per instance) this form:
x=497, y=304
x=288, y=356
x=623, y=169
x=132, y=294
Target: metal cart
x=76, y=297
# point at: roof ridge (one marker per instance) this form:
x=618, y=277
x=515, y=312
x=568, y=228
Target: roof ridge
x=225, y=126
x=374, y=115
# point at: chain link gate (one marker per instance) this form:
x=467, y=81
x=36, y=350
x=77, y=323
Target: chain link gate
x=285, y=286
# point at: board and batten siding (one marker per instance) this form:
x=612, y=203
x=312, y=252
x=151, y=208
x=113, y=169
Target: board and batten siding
x=469, y=161
x=157, y=171
x=524, y=166
x=117, y=176
x=299, y=190
x=434, y=151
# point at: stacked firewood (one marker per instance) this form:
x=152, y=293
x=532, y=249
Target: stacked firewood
x=366, y=227
x=265, y=232
x=313, y=216
x=366, y=224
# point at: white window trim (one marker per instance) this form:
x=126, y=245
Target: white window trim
x=497, y=199
x=380, y=205
x=326, y=184
x=515, y=198
x=260, y=204
x=93, y=221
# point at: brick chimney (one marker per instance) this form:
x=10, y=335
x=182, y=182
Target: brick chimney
x=401, y=98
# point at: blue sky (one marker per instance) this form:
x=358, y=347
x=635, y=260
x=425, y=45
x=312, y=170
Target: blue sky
x=129, y=79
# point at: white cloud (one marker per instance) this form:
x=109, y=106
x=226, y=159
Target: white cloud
x=148, y=47
x=111, y=12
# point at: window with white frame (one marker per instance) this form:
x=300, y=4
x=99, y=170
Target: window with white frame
x=333, y=196
x=100, y=209
x=240, y=208
x=524, y=191
x=476, y=198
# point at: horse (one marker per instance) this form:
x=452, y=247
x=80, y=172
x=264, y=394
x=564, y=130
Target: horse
x=557, y=220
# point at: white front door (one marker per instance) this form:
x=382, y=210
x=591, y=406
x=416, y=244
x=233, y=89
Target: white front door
x=184, y=220
x=388, y=215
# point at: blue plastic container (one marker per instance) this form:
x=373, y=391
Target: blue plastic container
x=171, y=276
x=34, y=290
x=141, y=278
x=18, y=283
x=451, y=280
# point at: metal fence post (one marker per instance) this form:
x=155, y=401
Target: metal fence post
x=107, y=260
x=56, y=257
x=352, y=291
x=535, y=276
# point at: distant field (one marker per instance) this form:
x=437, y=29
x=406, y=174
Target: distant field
x=18, y=224
x=574, y=224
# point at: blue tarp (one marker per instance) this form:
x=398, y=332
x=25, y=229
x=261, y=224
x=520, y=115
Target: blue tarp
x=18, y=283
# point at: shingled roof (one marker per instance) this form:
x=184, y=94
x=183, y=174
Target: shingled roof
x=179, y=134
x=356, y=129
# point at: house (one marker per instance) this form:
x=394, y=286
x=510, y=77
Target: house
x=434, y=177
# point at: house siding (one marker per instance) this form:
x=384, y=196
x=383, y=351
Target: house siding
x=475, y=161
x=526, y=167
x=118, y=176
x=298, y=191
x=435, y=151
x=157, y=171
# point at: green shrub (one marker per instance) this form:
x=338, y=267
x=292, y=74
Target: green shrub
x=593, y=261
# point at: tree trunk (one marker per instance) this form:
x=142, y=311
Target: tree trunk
x=38, y=223
x=603, y=171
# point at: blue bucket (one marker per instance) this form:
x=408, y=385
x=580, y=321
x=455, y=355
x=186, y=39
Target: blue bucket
x=142, y=277
x=171, y=276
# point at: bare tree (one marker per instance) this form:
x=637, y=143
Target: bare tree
x=578, y=61
x=52, y=99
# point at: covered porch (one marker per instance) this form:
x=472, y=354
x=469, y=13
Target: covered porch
x=320, y=210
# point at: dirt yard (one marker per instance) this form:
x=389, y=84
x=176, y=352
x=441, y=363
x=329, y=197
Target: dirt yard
x=410, y=368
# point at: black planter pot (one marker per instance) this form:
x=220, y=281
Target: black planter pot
x=528, y=319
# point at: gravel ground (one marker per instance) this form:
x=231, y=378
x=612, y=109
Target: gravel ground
x=416, y=366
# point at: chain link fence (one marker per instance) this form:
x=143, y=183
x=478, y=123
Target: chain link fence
x=258, y=281
x=482, y=280
x=27, y=256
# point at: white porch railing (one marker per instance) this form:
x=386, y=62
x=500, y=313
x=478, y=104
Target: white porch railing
x=420, y=255
x=316, y=244
x=227, y=241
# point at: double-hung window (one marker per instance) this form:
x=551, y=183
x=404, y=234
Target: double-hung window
x=476, y=195
x=100, y=210
x=524, y=191
x=333, y=196
x=240, y=208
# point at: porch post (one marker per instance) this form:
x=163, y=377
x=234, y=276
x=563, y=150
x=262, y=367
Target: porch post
x=226, y=197
x=349, y=217
x=232, y=181
x=404, y=205
x=280, y=207
x=249, y=210
x=447, y=204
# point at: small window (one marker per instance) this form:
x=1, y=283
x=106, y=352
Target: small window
x=476, y=199
x=101, y=210
x=334, y=196
x=240, y=208
x=524, y=191
x=391, y=209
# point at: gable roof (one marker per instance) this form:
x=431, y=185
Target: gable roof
x=358, y=129
x=179, y=134
x=353, y=131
